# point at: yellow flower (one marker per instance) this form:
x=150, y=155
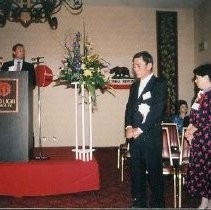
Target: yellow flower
x=87, y=73
x=92, y=57
x=83, y=66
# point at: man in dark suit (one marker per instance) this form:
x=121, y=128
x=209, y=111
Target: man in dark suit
x=143, y=116
x=18, y=63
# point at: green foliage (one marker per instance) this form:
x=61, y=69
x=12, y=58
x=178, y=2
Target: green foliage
x=85, y=69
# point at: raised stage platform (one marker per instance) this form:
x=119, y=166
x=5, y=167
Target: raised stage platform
x=60, y=174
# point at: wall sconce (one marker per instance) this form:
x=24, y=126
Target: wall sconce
x=25, y=18
x=53, y=22
x=35, y=11
x=203, y=46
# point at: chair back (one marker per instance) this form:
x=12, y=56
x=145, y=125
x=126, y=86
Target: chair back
x=185, y=149
x=166, y=151
x=173, y=135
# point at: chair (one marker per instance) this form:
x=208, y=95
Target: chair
x=168, y=168
x=121, y=149
x=183, y=162
x=174, y=139
x=125, y=155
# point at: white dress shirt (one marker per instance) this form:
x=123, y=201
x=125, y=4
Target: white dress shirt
x=16, y=63
x=143, y=83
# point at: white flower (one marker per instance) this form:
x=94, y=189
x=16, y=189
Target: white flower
x=144, y=110
x=83, y=66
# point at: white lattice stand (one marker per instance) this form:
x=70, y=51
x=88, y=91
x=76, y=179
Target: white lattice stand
x=83, y=152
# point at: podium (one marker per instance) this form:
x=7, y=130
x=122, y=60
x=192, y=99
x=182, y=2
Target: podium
x=16, y=113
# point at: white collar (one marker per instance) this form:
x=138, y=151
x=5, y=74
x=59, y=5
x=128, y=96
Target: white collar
x=144, y=81
x=18, y=60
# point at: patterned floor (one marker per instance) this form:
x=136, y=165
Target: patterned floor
x=113, y=192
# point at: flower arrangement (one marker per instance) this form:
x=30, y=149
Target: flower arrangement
x=85, y=69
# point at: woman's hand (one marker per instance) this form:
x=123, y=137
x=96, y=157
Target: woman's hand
x=191, y=129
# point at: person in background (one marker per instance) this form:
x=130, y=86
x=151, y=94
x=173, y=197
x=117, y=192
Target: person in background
x=19, y=64
x=180, y=117
x=143, y=117
x=198, y=178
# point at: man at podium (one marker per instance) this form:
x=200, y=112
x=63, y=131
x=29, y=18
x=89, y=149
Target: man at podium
x=19, y=64
x=16, y=108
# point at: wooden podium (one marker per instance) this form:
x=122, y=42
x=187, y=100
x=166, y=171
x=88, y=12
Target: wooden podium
x=16, y=113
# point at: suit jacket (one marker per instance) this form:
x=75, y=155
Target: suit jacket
x=154, y=95
x=25, y=67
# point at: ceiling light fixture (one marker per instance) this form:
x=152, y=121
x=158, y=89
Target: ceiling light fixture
x=35, y=11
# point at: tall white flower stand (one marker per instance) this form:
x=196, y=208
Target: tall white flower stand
x=83, y=145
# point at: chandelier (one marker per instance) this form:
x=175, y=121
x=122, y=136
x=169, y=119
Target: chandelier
x=35, y=11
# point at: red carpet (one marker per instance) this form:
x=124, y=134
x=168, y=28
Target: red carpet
x=112, y=193
x=60, y=174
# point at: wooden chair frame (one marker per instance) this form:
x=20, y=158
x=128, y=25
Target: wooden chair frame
x=174, y=139
x=167, y=155
x=121, y=149
x=183, y=163
x=126, y=154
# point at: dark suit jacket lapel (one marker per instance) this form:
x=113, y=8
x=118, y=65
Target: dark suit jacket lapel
x=10, y=63
x=136, y=88
x=148, y=87
x=24, y=66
